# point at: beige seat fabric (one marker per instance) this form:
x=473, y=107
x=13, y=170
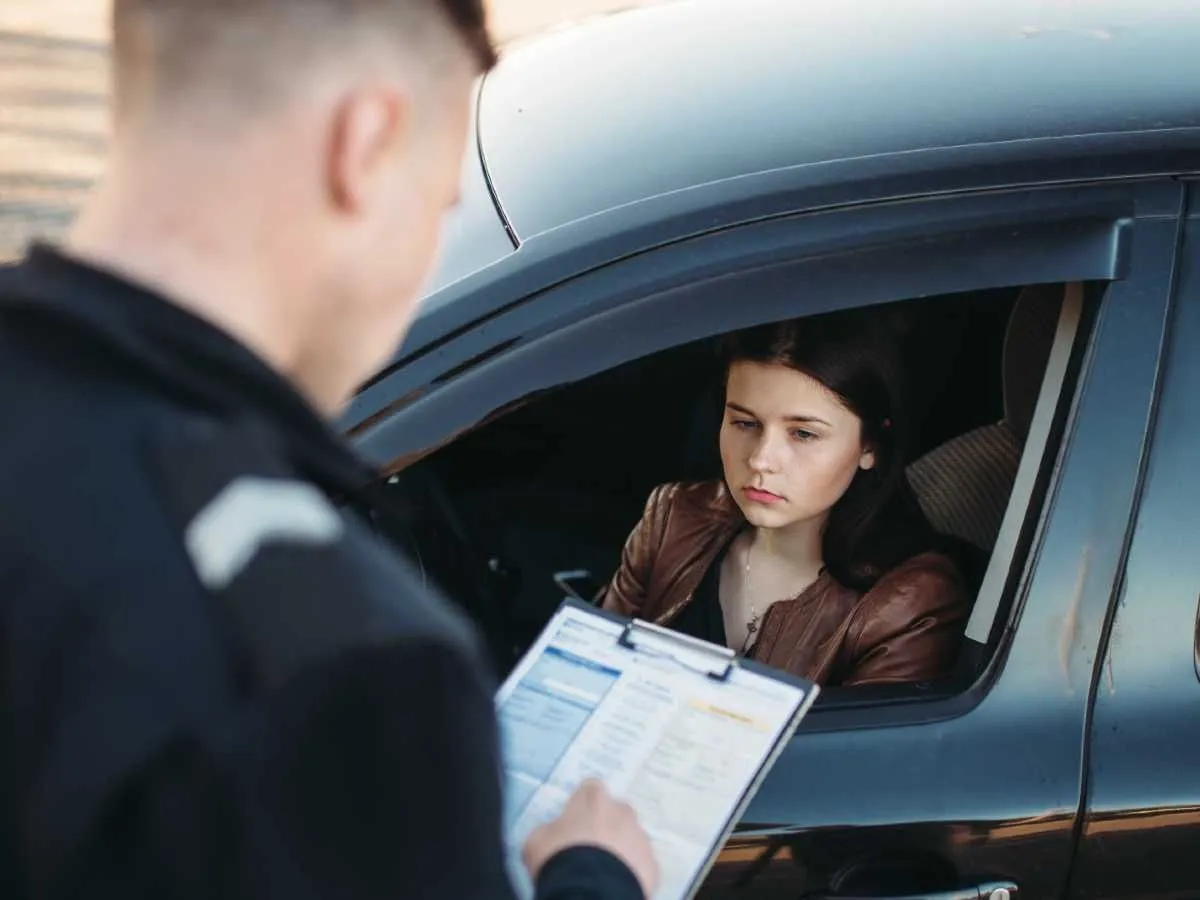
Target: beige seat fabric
x=963, y=485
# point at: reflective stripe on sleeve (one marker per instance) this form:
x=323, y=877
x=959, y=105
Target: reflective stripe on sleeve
x=250, y=513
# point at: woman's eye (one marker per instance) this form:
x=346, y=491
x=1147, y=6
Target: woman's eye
x=801, y=435
x=744, y=424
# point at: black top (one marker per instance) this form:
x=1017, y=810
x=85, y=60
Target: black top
x=702, y=617
x=218, y=683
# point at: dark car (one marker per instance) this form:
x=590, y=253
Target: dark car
x=1012, y=185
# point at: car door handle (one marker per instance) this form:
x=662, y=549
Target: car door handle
x=992, y=890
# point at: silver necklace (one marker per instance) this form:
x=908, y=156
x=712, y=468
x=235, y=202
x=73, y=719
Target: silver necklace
x=752, y=623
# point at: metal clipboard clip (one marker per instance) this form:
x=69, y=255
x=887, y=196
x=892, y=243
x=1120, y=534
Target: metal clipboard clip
x=691, y=653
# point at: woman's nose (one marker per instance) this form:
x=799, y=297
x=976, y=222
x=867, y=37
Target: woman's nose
x=763, y=455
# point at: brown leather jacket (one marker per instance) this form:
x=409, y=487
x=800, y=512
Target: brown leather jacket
x=907, y=627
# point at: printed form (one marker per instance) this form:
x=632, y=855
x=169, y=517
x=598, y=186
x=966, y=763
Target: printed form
x=680, y=734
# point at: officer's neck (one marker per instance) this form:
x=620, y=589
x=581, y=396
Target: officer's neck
x=166, y=233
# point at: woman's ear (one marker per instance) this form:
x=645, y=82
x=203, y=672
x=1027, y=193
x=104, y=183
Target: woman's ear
x=867, y=460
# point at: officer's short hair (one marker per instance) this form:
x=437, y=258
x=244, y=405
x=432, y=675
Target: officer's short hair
x=167, y=49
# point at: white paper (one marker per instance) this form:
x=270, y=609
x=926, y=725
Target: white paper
x=680, y=747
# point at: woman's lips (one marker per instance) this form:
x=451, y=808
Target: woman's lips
x=758, y=495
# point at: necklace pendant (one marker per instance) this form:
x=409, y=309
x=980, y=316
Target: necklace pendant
x=751, y=629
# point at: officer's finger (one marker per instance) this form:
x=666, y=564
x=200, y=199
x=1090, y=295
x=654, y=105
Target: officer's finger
x=591, y=789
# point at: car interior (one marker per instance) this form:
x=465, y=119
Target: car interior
x=537, y=503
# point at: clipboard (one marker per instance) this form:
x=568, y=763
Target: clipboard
x=682, y=729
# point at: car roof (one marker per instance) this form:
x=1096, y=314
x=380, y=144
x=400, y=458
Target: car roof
x=661, y=99
x=473, y=235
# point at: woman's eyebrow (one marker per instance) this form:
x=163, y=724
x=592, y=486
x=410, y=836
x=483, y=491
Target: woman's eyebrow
x=813, y=420
x=741, y=409
x=807, y=420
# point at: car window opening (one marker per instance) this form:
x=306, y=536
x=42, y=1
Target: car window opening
x=540, y=501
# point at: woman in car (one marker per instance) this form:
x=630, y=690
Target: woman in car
x=810, y=555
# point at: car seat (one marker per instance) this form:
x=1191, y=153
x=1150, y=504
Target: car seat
x=963, y=485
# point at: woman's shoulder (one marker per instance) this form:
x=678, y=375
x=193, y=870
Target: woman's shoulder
x=926, y=580
x=702, y=497
x=931, y=563
x=924, y=588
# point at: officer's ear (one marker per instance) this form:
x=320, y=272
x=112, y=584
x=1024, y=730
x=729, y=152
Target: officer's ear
x=368, y=141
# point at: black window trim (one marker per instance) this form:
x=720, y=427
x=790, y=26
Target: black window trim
x=1062, y=248
x=715, y=253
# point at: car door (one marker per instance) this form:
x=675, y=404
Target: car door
x=902, y=792
x=1142, y=826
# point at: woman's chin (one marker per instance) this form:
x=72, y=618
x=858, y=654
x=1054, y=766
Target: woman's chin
x=764, y=517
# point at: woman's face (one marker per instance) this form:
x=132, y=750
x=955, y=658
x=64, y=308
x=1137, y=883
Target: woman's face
x=789, y=447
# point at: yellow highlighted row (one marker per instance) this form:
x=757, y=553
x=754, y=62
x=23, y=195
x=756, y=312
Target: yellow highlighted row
x=706, y=707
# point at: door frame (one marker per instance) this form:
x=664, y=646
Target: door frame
x=1142, y=815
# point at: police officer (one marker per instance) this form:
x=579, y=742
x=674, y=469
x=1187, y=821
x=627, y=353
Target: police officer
x=214, y=681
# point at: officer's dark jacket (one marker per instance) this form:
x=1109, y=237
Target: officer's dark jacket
x=214, y=681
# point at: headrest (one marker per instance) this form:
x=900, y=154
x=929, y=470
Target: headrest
x=1027, y=343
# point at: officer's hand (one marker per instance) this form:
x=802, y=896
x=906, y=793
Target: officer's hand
x=593, y=818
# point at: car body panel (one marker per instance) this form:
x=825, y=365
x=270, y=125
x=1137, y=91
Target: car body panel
x=1143, y=811
x=669, y=97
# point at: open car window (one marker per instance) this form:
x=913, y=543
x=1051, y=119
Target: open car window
x=547, y=448
x=543, y=496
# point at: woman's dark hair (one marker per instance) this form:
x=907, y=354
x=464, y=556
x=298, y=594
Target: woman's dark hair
x=877, y=523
